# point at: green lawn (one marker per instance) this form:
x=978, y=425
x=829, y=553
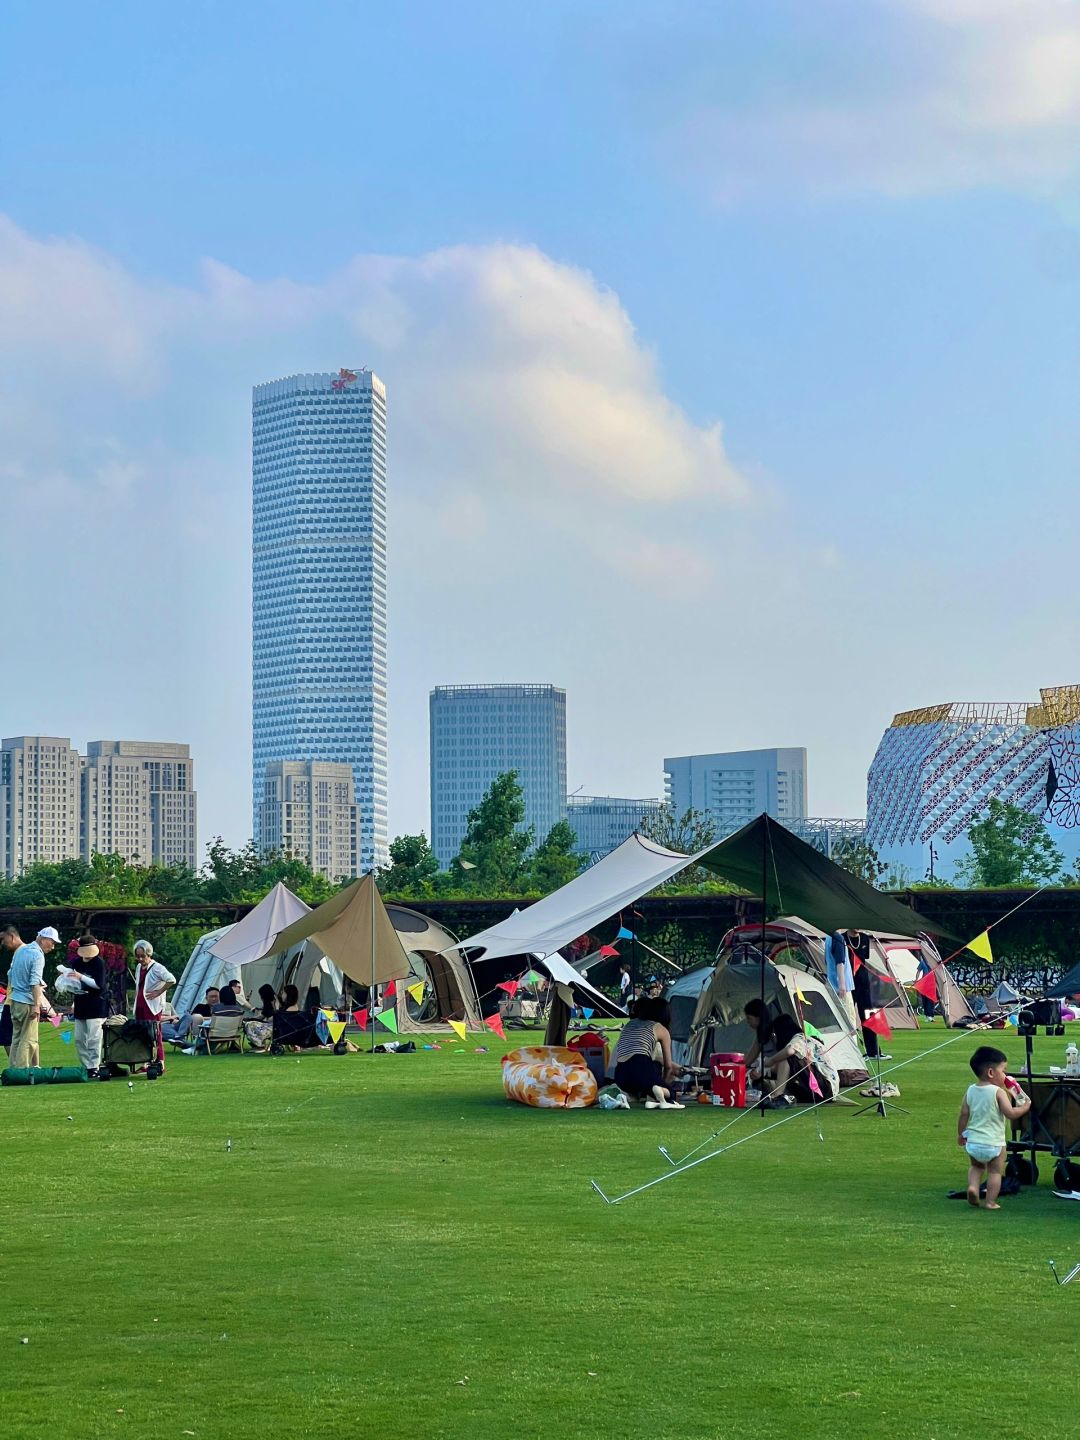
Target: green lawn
x=386, y=1226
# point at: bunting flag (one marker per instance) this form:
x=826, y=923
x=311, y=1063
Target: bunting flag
x=494, y=1023
x=980, y=946
x=812, y=1081
x=55, y=1021
x=361, y=1018
x=587, y=1013
x=801, y=996
x=65, y=1036
x=417, y=991
x=391, y=991
x=876, y=1022
x=387, y=1018
x=927, y=985
x=812, y=1030
x=607, y=951
x=336, y=1028
x=532, y=978
x=458, y=1028
x=510, y=986
x=624, y=933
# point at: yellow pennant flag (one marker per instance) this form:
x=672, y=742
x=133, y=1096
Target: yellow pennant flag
x=458, y=1027
x=417, y=991
x=801, y=996
x=980, y=946
x=336, y=1028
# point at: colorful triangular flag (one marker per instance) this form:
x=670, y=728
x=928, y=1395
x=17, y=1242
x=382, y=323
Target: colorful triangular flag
x=607, y=951
x=417, y=991
x=812, y=1081
x=494, y=1023
x=624, y=933
x=510, y=986
x=361, y=1018
x=390, y=991
x=533, y=978
x=980, y=946
x=877, y=1022
x=336, y=1029
x=801, y=996
x=927, y=985
x=66, y=1037
x=458, y=1028
x=812, y=1030
x=587, y=1013
x=387, y=1018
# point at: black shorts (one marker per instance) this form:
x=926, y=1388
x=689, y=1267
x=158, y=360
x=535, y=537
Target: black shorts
x=638, y=1075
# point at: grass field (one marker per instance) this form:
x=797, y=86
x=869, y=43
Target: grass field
x=386, y=1226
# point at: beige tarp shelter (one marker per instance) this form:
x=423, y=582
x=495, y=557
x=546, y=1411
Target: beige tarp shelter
x=354, y=931
x=449, y=988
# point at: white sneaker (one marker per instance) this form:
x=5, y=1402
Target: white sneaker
x=655, y=1104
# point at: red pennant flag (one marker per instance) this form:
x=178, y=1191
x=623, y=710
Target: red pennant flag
x=856, y=963
x=812, y=1081
x=510, y=986
x=390, y=991
x=494, y=1022
x=607, y=951
x=876, y=1021
x=927, y=985
x=361, y=1018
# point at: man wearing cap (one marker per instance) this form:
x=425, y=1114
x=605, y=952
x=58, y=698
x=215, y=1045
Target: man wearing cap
x=90, y=1007
x=26, y=991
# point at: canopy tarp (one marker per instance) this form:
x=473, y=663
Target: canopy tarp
x=798, y=879
x=1067, y=986
x=355, y=931
x=255, y=935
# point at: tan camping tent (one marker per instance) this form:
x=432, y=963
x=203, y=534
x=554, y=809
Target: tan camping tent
x=355, y=932
x=449, y=988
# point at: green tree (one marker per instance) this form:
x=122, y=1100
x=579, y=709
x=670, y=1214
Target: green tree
x=492, y=859
x=688, y=833
x=1009, y=846
x=858, y=857
x=248, y=873
x=412, y=868
x=555, y=862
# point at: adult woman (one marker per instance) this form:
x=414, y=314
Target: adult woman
x=151, y=982
x=259, y=1024
x=90, y=1007
x=268, y=1002
x=642, y=1061
x=788, y=1059
x=290, y=998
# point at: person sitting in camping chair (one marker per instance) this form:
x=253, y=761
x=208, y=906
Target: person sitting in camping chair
x=776, y=1050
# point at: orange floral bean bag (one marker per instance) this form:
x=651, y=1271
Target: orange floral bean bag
x=549, y=1077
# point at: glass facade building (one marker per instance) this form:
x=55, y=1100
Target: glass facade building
x=479, y=732
x=936, y=768
x=602, y=822
x=319, y=586
x=735, y=787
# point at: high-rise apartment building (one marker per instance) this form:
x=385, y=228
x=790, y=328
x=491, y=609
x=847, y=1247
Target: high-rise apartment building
x=601, y=822
x=479, y=732
x=309, y=810
x=319, y=586
x=938, y=767
x=139, y=801
x=735, y=787
x=39, y=801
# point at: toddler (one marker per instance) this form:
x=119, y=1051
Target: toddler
x=981, y=1126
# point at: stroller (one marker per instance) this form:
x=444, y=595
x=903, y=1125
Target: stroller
x=130, y=1045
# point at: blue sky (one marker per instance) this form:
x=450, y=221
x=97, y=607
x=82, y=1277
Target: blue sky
x=731, y=351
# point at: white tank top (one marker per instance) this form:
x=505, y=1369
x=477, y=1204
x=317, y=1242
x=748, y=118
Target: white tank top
x=986, y=1123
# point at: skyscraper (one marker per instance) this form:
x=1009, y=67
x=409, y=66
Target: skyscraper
x=319, y=586
x=734, y=788
x=601, y=822
x=478, y=732
x=138, y=801
x=39, y=801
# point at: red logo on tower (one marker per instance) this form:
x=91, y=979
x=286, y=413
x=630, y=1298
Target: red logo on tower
x=343, y=379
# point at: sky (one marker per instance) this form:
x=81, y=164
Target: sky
x=731, y=354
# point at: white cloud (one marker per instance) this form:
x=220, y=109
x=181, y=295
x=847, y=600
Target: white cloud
x=925, y=96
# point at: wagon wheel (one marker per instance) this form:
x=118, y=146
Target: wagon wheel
x=1025, y=1171
x=1066, y=1176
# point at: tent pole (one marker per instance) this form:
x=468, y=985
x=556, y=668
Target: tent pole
x=371, y=997
x=764, y=912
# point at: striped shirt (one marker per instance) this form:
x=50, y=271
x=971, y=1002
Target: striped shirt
x=637, y=1038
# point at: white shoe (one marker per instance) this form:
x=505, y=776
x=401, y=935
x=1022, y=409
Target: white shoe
x=655, y=1104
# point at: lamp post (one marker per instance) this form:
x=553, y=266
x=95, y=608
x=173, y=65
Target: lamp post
x=933, y=857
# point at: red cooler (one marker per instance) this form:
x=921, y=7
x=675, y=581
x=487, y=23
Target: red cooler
x=729, y=1079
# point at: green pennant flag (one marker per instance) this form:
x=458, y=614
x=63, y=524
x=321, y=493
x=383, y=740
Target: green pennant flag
x=387, y=1018
x=811, y=1030
x=532, y=977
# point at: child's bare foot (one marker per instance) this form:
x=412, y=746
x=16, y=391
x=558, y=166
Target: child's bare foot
x=991, y=1205
x=973, y=1197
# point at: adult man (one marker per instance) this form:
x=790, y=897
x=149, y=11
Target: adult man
x=26, y=991
x=200, y=1016
x=90, y=1007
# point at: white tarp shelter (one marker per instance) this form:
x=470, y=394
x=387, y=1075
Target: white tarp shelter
x=254, y=935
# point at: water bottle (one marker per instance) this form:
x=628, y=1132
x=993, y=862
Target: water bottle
x=1072, y=1060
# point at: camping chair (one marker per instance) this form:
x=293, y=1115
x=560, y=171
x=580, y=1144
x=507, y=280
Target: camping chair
x=226, y=1032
